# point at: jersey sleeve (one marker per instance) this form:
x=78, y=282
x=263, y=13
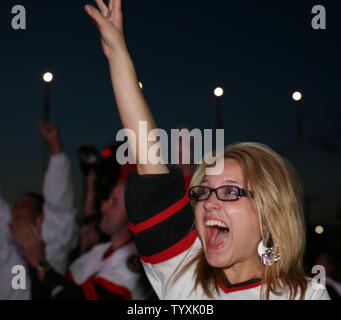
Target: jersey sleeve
x=59, y=228
x=162, y=221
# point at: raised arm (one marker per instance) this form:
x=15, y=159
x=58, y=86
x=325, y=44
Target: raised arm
x=130, y=101
x=59, y=227
x=49, y=132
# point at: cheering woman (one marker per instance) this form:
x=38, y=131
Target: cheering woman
x=239, y=234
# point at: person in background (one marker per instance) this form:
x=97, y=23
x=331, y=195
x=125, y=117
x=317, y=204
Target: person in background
x=89, y=234
x=101, y=171
x=51, y=217
x=109, y=270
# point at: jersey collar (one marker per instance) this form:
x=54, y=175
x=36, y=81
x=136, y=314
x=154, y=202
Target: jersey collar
x=227, y=287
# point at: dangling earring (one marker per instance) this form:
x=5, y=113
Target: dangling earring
x=266, y=254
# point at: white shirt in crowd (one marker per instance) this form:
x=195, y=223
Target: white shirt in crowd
x=59, y=229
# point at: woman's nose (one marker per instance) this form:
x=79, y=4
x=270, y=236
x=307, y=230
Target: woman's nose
x=212, y=202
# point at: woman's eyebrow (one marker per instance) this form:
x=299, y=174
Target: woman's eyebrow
x=225, y=181
x=231, y=181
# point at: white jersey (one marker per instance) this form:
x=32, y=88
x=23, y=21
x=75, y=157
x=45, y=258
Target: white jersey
x=114, y=270
x=59, y=229
x=161, y=276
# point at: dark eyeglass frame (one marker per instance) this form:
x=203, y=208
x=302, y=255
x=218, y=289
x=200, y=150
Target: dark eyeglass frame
x=241, y=193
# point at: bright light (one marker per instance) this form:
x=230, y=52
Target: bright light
x=107, y=152
x=218, y=92
x=297, y=96
x=140, y=84
x=319, y=229
x=47, y=76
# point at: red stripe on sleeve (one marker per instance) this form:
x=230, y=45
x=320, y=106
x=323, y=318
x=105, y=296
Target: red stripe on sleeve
x=114, y=288
x=89, y=290
x=172, y=251
x=160, y=216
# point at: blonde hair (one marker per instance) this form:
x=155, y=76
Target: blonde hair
x=278, y=197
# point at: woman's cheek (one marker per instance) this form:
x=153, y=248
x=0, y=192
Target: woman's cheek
x=199, y=222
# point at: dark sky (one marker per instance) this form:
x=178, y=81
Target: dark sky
x=258, y=51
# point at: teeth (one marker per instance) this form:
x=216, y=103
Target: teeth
x=211, y=223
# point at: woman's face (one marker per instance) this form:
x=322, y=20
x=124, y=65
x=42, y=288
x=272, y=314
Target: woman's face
x=237, y=238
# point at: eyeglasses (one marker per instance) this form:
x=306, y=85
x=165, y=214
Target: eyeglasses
x=223, y=193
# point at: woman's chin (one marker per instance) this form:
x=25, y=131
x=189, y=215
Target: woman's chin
x=217, y=260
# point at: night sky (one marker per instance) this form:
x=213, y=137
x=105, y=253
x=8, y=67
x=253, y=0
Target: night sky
x=258, y=51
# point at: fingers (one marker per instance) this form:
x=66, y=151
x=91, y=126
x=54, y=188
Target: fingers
x=29, y=240
x=117, y=5
x=115, y=15
x=47, y=127
x=42, y=124
x=110, y=5
x=18, y=233
x=25, y=233
x=96, y=16
x=50, y=126
x=33, y=232
x=102, y=6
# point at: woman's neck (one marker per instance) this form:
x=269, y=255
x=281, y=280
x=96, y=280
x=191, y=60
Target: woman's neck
x=244, y=271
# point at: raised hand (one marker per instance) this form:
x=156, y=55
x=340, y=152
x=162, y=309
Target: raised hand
x=130, y=101
x=109, y=21
x=49, y=131
x=29, y=239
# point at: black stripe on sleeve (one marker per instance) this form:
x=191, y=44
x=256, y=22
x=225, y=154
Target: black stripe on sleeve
x=165, y=234
x=148, y=195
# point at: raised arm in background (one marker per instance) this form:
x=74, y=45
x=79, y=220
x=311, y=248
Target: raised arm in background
x=59, y=227
x=130, y=101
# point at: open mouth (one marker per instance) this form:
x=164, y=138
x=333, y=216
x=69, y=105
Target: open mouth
x=217, y=233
